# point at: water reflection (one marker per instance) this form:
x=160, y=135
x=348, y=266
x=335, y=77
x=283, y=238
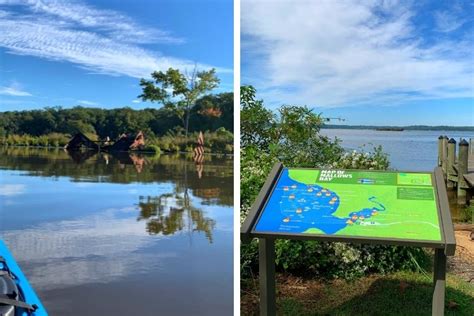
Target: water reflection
x=89, y=166
x=58, y=249
x=94, y=225
x=170, y=213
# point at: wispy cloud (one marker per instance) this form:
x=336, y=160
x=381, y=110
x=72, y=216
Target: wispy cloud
x=86, y=102
x=343, y=53
x=117, y=25
x=448, y=21
x=136, y=101
x=14, y=90
x=102, y=41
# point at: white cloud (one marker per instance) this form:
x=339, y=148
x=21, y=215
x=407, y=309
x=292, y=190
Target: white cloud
x=136, y=101
x=448, y=22
x=85, y=102
x=12, y=189
x=13, y=91
x=102, y=41
x=452, y=18
x=342, y=53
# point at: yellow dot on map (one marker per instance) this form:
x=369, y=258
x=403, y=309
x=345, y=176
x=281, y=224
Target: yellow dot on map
x=349, y=222
x=374, y=213
x=286, y=219
x=310, y=190
x=298, y=211
x=354, y=217
x=318, y=194
x=286, y=188
x=323, y=190
x=292, y=196
x=331, y=202
x=328, y=194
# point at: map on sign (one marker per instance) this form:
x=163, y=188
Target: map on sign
x=352, y=203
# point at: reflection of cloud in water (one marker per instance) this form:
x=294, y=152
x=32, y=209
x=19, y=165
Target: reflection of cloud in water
x=86, y=184
x=12, y=189
x=92, y=249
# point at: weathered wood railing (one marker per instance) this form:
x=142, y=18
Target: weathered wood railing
x=458, y=171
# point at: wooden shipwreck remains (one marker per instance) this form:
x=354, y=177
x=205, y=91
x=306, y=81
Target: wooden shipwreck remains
x=128, y=142
x=81, y=141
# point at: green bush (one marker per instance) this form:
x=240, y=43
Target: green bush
x=153, y=149
x=229, y=149
x=293, y=138
x=49, y=140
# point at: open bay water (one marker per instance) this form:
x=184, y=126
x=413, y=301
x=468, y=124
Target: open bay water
x=100, y=234
x=408, y=150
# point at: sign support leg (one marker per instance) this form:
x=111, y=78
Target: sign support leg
x=439, y=279
x=266, y=248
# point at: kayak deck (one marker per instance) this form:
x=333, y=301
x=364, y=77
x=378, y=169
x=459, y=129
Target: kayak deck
x=28, y=294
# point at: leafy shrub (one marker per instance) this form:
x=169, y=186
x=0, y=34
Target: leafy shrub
x=53, y=140
x=293, y=138
x=153, y=149
x=229, y=149
x=363, y=160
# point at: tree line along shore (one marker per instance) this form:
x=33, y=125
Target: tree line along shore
x=407, y=128
x=163, y=129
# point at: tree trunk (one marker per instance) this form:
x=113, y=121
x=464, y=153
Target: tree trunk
x=186, y=127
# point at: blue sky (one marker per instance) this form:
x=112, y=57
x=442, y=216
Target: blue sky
x=93, y=53
x=369, y=62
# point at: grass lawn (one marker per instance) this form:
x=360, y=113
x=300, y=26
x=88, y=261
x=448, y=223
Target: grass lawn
x=401, y=293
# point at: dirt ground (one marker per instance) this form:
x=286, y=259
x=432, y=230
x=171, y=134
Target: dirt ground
x=462, y=264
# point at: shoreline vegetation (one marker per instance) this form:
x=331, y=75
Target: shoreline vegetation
x=163, y=129
x=219, y=142
x=406, y=128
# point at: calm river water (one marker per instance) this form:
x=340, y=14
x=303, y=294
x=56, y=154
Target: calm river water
x=120, y=235
x=408, y=150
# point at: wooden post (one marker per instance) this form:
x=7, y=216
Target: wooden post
x=462, y=170
x=440, y=150
x=451, y=160
x=444, y=161
x=439, y=280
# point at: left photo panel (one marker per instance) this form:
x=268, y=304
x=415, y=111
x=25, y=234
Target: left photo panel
x=116, y=157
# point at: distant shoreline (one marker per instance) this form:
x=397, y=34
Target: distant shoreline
x=406, y=128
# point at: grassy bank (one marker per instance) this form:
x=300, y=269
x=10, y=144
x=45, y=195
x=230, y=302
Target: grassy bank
x=220, y=141
x=400, y=293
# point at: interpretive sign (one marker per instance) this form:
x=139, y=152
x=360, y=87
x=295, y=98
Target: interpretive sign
x=352, y=203
x=363, y=206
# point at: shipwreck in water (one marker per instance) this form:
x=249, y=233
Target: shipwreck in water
x=126, y=142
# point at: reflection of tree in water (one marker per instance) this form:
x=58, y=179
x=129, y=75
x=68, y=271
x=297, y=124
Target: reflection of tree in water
x=170, y=213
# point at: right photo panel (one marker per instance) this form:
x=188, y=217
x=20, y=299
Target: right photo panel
x=357, y=158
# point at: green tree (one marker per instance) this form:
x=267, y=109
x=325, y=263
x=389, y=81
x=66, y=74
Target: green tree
x=292, y=136
x=185, y=90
